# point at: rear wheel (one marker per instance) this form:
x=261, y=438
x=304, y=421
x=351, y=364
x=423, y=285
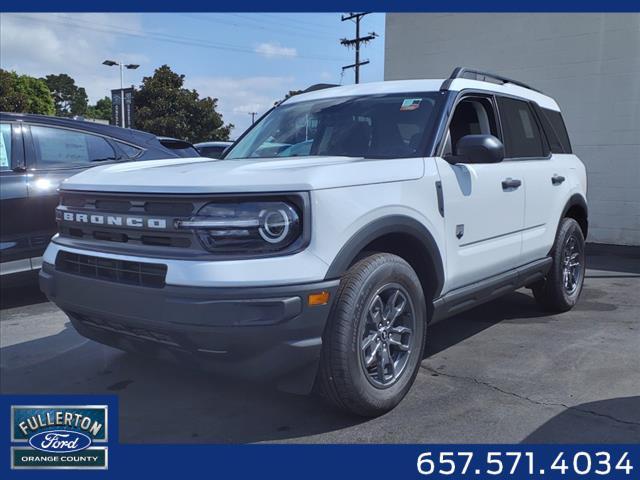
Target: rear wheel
x=374, y=340
x=561, y=289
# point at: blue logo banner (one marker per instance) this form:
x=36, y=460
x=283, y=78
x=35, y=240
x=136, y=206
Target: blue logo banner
x=323, y=6
x=290, y=461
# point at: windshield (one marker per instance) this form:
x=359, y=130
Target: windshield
x=372, y=126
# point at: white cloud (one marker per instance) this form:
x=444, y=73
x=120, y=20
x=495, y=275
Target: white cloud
x=325, y=75
x=49, y=43
x=238, y=96
x=41, y=44
x=275, y=50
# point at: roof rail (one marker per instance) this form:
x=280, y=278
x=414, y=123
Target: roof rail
x=462, y=72
x=319, y=86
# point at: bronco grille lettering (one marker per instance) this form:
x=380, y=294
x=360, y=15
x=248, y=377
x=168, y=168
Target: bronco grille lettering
x=116, y=220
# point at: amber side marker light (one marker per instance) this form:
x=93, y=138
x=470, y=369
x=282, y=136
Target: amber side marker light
x=320, y=298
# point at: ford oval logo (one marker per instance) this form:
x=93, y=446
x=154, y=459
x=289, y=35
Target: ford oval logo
x=60, y=441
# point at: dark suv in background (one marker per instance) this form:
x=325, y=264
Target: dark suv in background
x=36, y=154
x=212, y=149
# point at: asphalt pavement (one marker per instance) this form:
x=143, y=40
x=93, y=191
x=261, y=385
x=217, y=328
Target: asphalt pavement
x=505, y=372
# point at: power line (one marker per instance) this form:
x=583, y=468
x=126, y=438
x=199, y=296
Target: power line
x=278, y=22
x=349, y=42
x=298, y=21
x=162, y=37
x=263, y=25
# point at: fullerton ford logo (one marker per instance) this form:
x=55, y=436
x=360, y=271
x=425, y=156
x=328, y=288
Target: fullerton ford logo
x=113, y=220
x=60, y=441
x=59, y=436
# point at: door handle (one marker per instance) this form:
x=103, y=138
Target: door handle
x=557, y=179
x=510, y=183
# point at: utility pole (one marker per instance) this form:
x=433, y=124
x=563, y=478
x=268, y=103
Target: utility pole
x=253, y=117
x=356, y=42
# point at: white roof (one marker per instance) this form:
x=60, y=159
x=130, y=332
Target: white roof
x=414, y=86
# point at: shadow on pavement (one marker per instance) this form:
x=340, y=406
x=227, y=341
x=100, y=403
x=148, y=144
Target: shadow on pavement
x=517, y=306
x=167, y=402
x=613, y=258
x=616, y=420
x=164, y=401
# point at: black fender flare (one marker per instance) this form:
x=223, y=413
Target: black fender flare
x=384, y=226
x=576, y=200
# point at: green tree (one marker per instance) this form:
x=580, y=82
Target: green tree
x=70, y=99
x=164, y=107
x=24, y=94
x=290, y=94
x=101, y=110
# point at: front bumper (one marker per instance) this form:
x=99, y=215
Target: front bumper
x=266, y=334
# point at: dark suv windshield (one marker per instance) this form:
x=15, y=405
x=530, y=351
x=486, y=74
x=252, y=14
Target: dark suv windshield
x=372, y=126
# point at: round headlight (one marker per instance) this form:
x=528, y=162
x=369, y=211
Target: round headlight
x=245, y=227
x=275, y=224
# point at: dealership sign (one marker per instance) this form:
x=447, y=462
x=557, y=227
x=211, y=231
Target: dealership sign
x=122, y=99
x=54, y=436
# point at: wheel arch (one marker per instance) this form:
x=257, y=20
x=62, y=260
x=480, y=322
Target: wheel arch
x=400, y=235
x=576, y=208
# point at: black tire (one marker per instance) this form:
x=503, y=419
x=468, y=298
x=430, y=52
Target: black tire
x=343, y=377
x=553, y=293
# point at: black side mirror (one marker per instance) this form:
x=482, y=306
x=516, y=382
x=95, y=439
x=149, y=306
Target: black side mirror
x=479, y=149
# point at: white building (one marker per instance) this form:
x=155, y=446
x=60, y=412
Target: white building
x=590, y=63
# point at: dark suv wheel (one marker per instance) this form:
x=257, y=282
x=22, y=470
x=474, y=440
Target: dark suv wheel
x=374, y=340
x=561, y=289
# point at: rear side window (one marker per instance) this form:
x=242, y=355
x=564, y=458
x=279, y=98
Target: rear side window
x=558, y=129
x=5, y=146
x=60, y=148
x=522, y=136
x=129, y=150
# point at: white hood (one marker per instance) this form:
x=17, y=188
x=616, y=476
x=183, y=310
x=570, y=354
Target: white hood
x=202, y=175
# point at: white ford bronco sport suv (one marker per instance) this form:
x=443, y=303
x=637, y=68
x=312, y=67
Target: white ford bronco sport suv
x=333, y=232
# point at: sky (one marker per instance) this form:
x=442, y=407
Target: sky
x=246, y=60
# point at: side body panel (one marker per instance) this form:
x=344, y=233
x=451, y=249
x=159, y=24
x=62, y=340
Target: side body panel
x=14, y=226
x=42, y=188
x=546, y=197
x=483, y=221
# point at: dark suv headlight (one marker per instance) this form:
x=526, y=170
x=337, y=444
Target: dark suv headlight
x=252, y=226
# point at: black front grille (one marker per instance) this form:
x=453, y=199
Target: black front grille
x=132, y=273
x=174, y=239
x=132, y=204
x=128, y=239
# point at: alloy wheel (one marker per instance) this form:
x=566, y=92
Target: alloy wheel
x=572, y=268
x=386, y=335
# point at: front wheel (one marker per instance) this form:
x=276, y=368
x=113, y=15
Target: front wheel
x=561, y=289
x=374, y=340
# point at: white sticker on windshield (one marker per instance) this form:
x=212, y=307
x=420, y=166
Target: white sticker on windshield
x=410, y=104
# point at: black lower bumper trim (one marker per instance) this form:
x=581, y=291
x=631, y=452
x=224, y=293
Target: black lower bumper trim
x=265, y=334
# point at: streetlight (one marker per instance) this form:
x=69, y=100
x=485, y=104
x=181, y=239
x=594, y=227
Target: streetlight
x=130, y=66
